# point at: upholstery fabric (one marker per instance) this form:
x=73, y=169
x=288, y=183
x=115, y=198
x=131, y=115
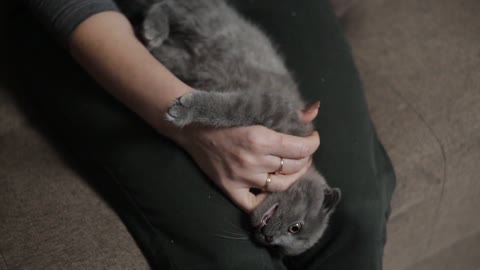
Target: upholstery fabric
x=419, y=61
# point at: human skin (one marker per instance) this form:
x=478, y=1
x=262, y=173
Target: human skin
x=236, y=159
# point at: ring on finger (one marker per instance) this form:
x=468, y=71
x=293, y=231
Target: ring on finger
x=268, y=181
x=279, y=170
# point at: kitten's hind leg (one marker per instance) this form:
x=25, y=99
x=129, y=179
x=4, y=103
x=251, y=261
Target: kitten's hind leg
x=156, y=28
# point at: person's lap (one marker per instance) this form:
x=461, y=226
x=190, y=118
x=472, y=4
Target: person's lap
x=178, y=217
x=350, y=155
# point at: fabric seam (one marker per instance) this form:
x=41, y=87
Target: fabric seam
x=134, y=205
x=3, y=260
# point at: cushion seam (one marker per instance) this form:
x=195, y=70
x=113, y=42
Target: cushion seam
x=2, y=260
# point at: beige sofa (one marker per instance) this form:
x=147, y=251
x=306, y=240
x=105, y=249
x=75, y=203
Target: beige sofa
x=420, y=63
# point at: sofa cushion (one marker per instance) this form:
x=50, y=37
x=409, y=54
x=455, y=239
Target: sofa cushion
x=420, y=63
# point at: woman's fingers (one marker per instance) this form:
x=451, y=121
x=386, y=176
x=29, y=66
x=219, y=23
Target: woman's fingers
x=293, y=147
x=248, y=201
x=309, y=113
x=290, y=166
x=278, y=182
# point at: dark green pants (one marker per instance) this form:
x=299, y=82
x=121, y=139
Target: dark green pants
x=179, y=219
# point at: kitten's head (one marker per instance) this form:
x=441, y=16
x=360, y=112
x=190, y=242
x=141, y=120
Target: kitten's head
x=294, y=220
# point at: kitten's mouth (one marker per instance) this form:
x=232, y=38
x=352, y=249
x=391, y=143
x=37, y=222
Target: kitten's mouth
x=266, y=217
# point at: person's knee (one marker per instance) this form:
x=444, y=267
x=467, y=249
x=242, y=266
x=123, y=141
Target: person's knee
x=230, y=255
x=362, y=226
x=363, y=213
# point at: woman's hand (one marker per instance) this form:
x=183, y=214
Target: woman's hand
x=240, y=158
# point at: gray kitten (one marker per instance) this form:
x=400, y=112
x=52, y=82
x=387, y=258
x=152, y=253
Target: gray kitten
x=241, y=81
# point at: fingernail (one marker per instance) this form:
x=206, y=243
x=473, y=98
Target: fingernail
x=314, y=106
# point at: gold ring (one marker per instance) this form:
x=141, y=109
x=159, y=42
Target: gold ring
x=281, y=166
x=268, y=181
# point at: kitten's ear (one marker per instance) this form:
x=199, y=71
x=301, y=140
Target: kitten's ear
x=269, y=213
x=331, y=199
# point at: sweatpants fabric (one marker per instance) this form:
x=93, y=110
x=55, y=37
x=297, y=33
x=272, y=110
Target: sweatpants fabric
x=178, y=217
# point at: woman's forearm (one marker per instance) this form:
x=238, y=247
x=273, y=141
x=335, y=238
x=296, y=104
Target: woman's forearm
x=105, y=45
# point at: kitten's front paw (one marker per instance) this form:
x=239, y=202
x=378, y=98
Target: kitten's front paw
x=182, y=110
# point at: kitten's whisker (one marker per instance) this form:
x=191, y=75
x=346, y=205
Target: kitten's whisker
x=234, y=225
x=234, y=233
x=231, y=237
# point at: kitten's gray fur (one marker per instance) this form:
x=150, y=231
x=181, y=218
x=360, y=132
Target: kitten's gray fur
x=241, y=81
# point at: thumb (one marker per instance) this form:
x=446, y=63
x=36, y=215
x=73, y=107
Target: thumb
x=309, y=113
x=246, y=200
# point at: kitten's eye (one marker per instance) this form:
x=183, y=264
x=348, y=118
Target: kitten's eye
x=295, y=228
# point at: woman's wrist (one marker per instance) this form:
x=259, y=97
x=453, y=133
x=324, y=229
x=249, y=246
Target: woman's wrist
x=165, y=128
